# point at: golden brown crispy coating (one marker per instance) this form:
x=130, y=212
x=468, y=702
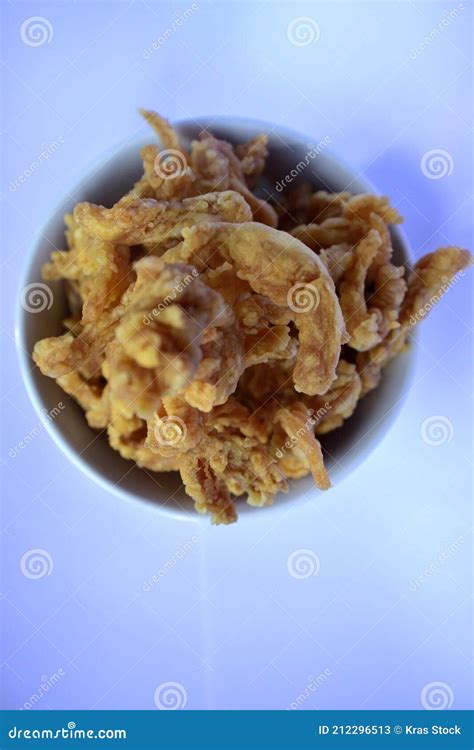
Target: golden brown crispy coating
x=252, y=156
x=362, y=324
x=431, y=277
x=205, y=341
x=152, y=222
x=162, y=338
x=164, y=130
x=301, y=205
x=225, y=463
x=58, y=355
x=90, y=397
x=278, y=267
x=174, y=186
x=297, y=422
x=339, y=403
x=218, y=168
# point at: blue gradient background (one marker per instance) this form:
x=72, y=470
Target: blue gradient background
x=227, y=621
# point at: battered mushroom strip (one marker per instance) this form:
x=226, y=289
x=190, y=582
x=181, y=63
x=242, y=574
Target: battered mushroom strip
x=363, y=325
x=58, y=355
x=167, y=186
x=252, y=156
x=277, y=266
x=334, y=231
x=297, y=422
x=337, y=260
x=209, y=492
x=301, y=205
x=358, y=214
x=218, y=168
x=339, y=403
x=100, y=269
x=227, y=462
x=175, y=428
x=431, y=277
x=163, y=129
x=152, y=222
x=158, y=345
x=91, y=397
x=127, y=435
x=390, y=288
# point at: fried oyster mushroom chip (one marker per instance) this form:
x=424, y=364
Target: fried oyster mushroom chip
x=213, y=334
x=279, y=268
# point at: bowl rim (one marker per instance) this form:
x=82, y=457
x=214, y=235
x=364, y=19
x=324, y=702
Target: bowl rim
x=166, y=508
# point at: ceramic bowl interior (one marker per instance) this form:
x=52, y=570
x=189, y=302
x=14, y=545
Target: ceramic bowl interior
x=345, y=448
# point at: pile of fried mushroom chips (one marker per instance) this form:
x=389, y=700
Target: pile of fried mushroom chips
x=215, y=334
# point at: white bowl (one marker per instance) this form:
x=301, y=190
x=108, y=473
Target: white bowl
x=90, y=450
